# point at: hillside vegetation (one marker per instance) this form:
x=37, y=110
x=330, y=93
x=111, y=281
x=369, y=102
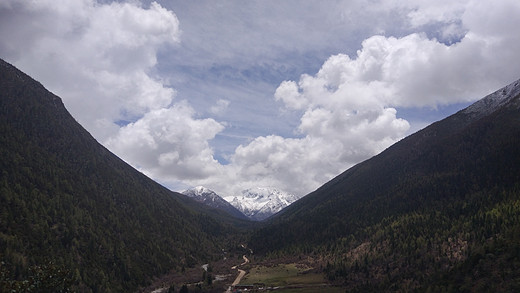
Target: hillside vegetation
x=439, y=210
x=70, y=208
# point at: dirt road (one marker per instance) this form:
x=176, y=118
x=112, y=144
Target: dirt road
x=241, y=274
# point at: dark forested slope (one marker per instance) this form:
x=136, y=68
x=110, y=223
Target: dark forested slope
x=70, y=208
x=439, y=208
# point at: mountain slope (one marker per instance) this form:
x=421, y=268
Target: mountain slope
x=210, y=198
x=68, y=204
x=423, y=213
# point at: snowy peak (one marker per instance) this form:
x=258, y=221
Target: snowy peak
x=493, y=101
x=259, y=203
x=201, y=192
x=210, y=198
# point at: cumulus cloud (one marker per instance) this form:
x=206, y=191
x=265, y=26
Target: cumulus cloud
x=100, y=55
x=349, y=105
x=169, y=144
x=412, y=71
x=338, y=133
x=101, y=59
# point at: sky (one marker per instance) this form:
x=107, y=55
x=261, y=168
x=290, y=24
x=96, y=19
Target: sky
x=240, y=94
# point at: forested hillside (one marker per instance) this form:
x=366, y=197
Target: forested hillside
x=73, y=215
x=439, y=210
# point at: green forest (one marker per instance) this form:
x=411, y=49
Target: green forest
x=70, y=208
x=438, y=211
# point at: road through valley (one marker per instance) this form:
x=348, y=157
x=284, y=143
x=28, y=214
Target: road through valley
x=241, y=274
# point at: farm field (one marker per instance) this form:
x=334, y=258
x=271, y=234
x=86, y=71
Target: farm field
x=288, y=278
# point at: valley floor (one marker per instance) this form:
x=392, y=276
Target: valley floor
x=287, y=277
x=275, y=275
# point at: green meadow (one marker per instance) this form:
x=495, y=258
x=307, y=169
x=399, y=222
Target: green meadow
x=289, y=278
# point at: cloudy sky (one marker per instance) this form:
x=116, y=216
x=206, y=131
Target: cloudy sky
x=238, y=94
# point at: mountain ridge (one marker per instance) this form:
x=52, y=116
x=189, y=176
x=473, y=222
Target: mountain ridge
x=210, y=198
x=439, y=211
x=441, y=130
x=69, y=205
x=260, y=203
x=427, y=209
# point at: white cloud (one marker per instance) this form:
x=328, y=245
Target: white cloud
x=288, y=93
x=349, y=105
x=220, y=106
x=333, y=141
x=424, y=12
x=169, y=144
x=100, y=55
x=102, y=60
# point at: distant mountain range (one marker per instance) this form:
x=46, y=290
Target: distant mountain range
x=256, y=204
x=437, y=211
x=210, y=198
x=261, y=202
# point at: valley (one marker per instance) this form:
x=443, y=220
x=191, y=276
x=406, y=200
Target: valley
x=438, y=211
x=279, y=275
x=290, y=277
x=241, y=274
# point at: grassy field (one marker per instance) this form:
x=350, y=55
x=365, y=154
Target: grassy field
x=290, y=278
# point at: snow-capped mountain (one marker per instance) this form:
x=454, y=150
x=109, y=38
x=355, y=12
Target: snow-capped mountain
x=210, y=198
x=493, y=101
x=261, y=202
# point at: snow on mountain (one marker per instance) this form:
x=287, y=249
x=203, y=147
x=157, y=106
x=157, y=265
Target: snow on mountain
x=202, y=194
x=261, y=202
x=255, y=203
x=493, y=101
x=210, y=198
